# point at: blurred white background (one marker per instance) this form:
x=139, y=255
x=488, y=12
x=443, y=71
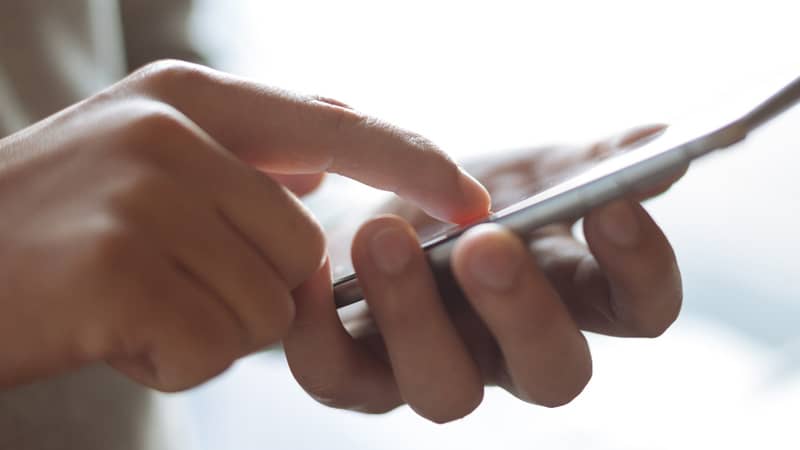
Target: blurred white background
x=483, y=76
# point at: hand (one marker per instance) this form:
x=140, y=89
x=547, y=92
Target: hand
x=527, y=305
x=135, y=230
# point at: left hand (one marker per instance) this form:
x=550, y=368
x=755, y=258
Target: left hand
x=527, y=303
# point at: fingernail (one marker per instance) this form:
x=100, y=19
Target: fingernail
x=391, y=250
x=495, y=266
x=619, y=224
x=476, y=197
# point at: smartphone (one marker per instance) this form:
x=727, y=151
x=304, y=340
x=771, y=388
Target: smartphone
x=618, y=176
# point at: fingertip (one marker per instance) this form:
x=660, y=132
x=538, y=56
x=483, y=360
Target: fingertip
x=476, y=200
x=644, y=278
x=376, y=225
x=461, y=201
x=488, y=255
x=300, y=184
x=454, y=409
x=483, y=237
x=381, y=222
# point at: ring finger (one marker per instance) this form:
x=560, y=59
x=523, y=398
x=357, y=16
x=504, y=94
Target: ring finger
x=546, y=356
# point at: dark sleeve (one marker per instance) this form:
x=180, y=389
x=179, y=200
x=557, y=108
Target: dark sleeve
x=157, y=29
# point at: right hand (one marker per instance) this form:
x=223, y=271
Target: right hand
x=134, y=228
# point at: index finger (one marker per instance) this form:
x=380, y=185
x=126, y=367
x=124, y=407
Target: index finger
x=287, y=133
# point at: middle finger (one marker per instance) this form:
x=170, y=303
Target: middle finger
x=435, y=373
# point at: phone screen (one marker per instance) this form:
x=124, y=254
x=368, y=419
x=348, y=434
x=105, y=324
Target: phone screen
x=573, y=174
x=585, y=186
x=514, y=200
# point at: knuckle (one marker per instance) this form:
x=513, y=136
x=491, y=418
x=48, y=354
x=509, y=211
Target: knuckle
x=148, y=130
x=108, y=96
x=114, y=245
x=428, y=148
x=158, y=120
x=331, y=101
x=139, y=190
x=423, y=143
x=346, y=119
x=169, y=74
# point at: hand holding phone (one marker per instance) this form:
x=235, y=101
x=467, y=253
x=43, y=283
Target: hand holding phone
x=617, y=177
x=511, y=311
x=438, y=356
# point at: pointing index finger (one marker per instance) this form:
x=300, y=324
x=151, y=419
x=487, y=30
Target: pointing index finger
x=287, y=133
x=406, y=163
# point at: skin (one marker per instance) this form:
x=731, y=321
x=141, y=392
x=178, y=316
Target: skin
x=527, y=304
x=151, y=227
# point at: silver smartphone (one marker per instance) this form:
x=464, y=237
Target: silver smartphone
x=624, y=174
